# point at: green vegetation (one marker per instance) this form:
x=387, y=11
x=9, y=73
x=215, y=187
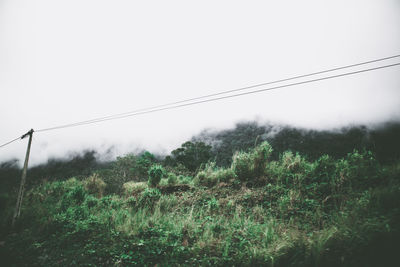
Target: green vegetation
x=190, y=155
x=383, y=141
x=156, y=173
x=260, y=210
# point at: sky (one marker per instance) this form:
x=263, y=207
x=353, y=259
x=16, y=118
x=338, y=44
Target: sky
x=68, y=61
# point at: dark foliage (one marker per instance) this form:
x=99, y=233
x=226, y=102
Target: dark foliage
x=292, y=211
x=61, y=169
x=191, y=155
x=383, y=141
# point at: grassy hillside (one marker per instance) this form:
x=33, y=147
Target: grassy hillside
x=259, y=211
x=382, y=140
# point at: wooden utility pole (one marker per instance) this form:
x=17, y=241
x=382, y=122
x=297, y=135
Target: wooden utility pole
x=23, y=178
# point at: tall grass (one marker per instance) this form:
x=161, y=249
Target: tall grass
x=299, y=213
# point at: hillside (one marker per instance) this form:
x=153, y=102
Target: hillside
x=263, y=207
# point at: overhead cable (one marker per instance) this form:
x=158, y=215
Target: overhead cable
x=10, y=142
x=170, y=106
x=226, y=92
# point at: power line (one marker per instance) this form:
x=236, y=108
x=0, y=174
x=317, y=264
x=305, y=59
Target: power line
x=21, y=137
x=167, y=106
x=223, y=92
x=10, y=142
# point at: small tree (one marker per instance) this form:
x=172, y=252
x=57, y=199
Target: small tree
x=250, y=165
x=156, y=173
x=144, y=162
x=243, y=166
x=191, y=155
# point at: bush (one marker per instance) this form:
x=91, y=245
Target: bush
x=243, y=166
x=163, y=182
x=322, y=177
x=132, y=187
x=149, y=196
x=205, y=177
x=114, y=184
x=95, y=185
x=260, y=156
x=172, y=178
x=224, y=175
x=291, y=171
x=212, y=175
x=182, y=179
x=361, y=170
x=156, y=173
x=251, y=165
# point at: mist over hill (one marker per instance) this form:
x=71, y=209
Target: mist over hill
x=253, y=195
x=382, y=140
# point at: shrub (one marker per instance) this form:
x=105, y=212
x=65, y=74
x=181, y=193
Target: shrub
x=260, y=156
x=360, y=169
x=132, y=187
x=211, y=175
x=149, y=196
x=322, y=177
x=224, y=175
x=250, y=165
x=205, y=176
x=114, y=184
x=172, y=178
x=163, y=182
x=156, y=173
x=95, y=185
x=242, y=165
x=184, y=179
x=290, y=171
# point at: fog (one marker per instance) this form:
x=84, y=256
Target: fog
x=68, y=61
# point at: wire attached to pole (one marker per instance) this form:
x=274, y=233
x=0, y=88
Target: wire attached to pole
x=166, y=107
x=110, y=117
x=31, y=131
x=16, y=139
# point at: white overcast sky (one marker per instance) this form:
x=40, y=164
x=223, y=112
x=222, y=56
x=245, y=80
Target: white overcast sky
x=68, y=61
